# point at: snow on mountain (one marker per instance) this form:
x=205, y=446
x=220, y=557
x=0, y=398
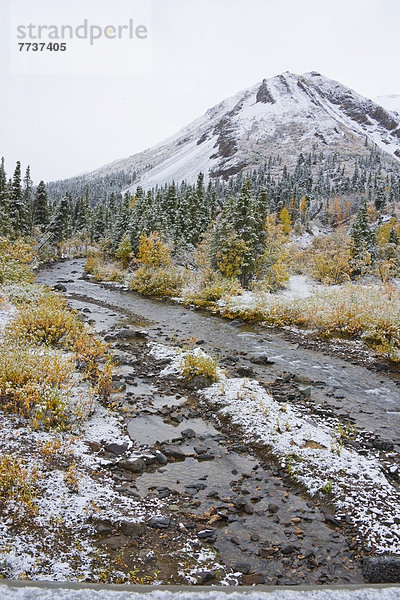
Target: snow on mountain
x=284, y=115
x=390, y=102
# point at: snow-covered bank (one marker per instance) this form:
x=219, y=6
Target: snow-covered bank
x=313, y=453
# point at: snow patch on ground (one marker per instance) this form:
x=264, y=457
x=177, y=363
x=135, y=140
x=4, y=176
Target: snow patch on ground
x=7, y=312
x=62, y=512
x=299, y=286
x=313, y=453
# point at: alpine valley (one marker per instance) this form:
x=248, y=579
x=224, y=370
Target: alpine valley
x=200, y=351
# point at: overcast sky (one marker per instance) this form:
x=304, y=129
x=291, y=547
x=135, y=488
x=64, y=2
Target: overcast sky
x=202, y=52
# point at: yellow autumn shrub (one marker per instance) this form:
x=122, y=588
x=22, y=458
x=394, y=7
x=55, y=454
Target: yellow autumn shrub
x=329, y=257
x=16, y=259
x=158, y=282
x=212, y=287
x=34, y=383
x=18, y=488
x=199, y=364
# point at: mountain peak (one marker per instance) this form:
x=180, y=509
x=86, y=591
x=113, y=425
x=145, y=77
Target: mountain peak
x=281, y=116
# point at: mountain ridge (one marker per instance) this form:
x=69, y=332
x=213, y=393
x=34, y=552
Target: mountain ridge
x=284, y=115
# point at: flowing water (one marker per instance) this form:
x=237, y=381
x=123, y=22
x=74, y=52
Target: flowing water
x=258, y=510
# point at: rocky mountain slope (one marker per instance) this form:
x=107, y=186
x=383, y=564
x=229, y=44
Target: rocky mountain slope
x=284, y=115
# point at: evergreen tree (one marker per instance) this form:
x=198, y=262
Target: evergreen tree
x=5, y=224
x=28, y=198
x=124, y=250
x=18, y=211
x=362, y=235
x=59, y=225
x=98, y=223
x=40, y=207
x=393, y=237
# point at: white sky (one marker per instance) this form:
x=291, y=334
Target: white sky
x=202, y=52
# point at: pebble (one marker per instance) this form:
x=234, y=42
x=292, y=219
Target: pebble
x=159, y=522
x=174, y=451
x=206, y=533
x=135, y=465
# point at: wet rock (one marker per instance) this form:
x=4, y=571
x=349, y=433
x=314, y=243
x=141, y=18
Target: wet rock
x=188, y=434
x=200, y=486
x=242, y=567
x=135, y=465
x=213, y=494
x=176, y=417
x=330, y=519
x=160, y=457
x=206, y=534
x=199, y=382
x=382, y=569
x=205, y=577
x=378, y=366
x=236, y=323
x=117, y=449
x=126, y=334
x=200, y=449
x=127, y=491
x=261, y=359
x=383, y=445
x=162, y=362
x=103, y=526
x=164, y=493
x=174, y=452
x=273, y=508
x=130, y=529
x=59, y=287
x=149, y=459
x=245, y=371
x=159, y=522
x=306, y=391
x=204, y=457
x=289, y=549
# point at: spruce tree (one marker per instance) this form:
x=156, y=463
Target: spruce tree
x=59, y=225
x=28, y=199
x=40, y=207
x=393, y=237
x=5, y=224
x=18, y=211
x=98, y=223
x=245, y=224
x=362, y=235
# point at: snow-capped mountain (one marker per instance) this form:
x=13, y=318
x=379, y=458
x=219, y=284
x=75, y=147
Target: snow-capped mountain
x=283, y=115
x=390, y=102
